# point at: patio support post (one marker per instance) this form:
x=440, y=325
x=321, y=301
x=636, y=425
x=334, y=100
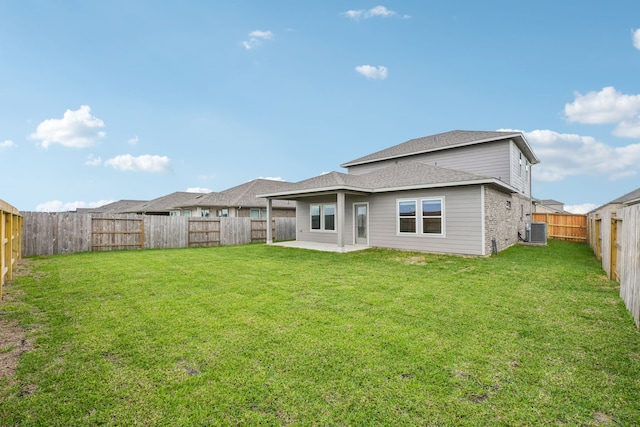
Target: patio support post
x=340, y=220
x=269, y=230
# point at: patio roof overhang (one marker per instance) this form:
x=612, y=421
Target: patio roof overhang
x=311, y=192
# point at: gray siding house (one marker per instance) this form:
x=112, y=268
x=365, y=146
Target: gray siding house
x=461, y=192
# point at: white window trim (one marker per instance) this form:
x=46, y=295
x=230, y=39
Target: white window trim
x=418, y=201
x=321, y=229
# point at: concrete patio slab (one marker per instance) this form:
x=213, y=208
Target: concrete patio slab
x=324, y=247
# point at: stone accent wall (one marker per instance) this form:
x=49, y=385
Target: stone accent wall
x=505, y=215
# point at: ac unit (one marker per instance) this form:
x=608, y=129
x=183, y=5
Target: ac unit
x=538, y=232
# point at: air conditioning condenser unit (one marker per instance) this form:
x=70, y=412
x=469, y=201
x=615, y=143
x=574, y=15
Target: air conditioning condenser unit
x=538, y=232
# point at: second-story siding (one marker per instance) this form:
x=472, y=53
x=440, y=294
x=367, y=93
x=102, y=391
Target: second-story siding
x=520, y=171
x=491, y=159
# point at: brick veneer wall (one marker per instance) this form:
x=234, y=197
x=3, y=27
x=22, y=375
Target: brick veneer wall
x=503, y=222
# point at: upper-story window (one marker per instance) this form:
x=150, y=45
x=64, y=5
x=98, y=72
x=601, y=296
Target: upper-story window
x=520, y=165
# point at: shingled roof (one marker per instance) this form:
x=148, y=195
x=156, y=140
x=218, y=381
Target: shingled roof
x=631, y=196
x=244, y=195
x=168, y=202
x=441, y=141
x=402, y=175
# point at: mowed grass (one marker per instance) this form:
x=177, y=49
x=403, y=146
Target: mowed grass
x=258, y=335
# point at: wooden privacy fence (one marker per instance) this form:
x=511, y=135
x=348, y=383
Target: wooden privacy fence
x=69, y=232
x=10, y=240
x=569, y=227
x=614, y=237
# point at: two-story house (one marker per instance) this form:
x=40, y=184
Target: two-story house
x=462, y=192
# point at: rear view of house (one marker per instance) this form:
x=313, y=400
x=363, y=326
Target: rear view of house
x=463, y=192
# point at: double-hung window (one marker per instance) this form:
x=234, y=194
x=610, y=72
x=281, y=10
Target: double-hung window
x=432, y=216
x=323, y=217
x=407, y=221
x=421, y=216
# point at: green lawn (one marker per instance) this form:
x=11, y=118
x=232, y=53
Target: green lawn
x=258, y=335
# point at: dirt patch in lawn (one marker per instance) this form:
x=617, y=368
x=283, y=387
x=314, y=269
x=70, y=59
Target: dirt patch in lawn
x=13, y=337
x=13, y=343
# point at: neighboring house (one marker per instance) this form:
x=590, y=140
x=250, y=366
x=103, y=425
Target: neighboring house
x=243, y=201
x=462, y=192
x=239, y=201
x=167, y=205
x=112, y=208
x=548, y=206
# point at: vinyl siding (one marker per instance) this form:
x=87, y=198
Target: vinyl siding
x=491, y=159
x=303, y=221
x=462, y=222
x=520, y=177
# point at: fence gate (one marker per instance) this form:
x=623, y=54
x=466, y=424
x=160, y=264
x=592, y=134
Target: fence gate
x=116, y=233
x=259, y=230
x=203, y=232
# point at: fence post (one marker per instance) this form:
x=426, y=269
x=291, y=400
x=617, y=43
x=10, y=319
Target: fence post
x=10, y=241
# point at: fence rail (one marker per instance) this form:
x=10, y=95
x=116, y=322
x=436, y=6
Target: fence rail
x=570, y=227
x=10, y=240
x=69, y=232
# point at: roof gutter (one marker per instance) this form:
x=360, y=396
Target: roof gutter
x=332, y=189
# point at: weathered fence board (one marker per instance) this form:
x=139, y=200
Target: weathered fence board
x=203, y=232
x=629, y=258
x=569, y=227
x=615, y=239
x=68, y=232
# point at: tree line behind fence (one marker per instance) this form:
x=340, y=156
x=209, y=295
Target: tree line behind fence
x=68, y=232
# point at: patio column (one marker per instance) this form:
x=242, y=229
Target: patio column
x=340, y=220
x=269, y=230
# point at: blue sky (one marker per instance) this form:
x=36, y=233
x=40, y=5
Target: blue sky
x=136, y=99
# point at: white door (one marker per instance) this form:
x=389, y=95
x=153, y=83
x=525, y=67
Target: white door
x=361, y=223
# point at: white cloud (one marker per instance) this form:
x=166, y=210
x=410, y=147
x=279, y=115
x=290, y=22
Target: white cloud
x=372, y=72
x=628, y=128
x=272, y=178
x=77, y=129
x=606, y=106
x=636, y=38
x=59, y=206
x=7, y=144
x=93, y=161
x=563, y=155
x=256, y=38
x=580, y=209
x=144, y=163
x=198, y=190
x=378, y=11
x=134, y=140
